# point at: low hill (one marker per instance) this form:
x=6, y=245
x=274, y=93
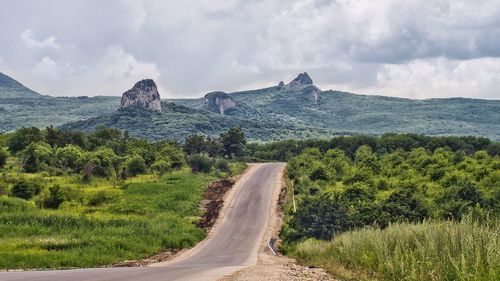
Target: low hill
x=23, y=107
x=10, y=88
x=177, y=122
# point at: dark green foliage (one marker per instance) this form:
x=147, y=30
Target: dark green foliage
x=195, y=144
x=283, y=150
x=200, y=164
x=232, y=142
x=136, y=165
x=55, y=198
x=338, y=190
x=222, y=165
x=37, y=156
x=26, y=189
x=23, y=137
x=403, y=205
x=3, y=157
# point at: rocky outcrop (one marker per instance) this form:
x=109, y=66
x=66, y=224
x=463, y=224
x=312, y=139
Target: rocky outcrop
x=302, y=80
x=281, y=84
x=312, y=92
x=219, y=102
x=144, y=94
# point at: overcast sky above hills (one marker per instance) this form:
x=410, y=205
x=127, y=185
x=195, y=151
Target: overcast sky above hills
x=415, y=49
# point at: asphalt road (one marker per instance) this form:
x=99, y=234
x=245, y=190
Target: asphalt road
x=233, y=245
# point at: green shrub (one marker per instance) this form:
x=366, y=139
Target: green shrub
x=135, y=165
x=161, y=166
x=222, y=165
x=26, y=189
x=57, y=195
x=200, y=164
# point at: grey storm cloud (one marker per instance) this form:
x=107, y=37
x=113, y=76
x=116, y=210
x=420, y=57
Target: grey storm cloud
x=416, y=49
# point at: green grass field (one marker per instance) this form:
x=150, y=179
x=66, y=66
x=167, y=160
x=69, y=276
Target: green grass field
x=105, y=225
x=465, y=250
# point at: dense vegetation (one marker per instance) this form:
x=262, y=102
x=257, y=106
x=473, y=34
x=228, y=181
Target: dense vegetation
x=402, y=184
x=71, y=199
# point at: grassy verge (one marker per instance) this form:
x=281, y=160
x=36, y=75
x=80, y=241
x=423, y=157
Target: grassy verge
x=106, y=225
x=465, y=250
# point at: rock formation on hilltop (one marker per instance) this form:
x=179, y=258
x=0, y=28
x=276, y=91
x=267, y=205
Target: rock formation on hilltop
x=302, y=80
x=304, y=83
x=219, y=102
x=144, y=94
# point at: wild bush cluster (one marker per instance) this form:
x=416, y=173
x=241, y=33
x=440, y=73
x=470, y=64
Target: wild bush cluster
x=284, y=150
x=104, y=152
x=338, y=191
x=206, y=153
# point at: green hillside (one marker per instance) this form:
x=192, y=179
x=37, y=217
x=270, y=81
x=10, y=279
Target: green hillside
x=23, y=107
x=177, y=122
x=296, y=110
x=346, y=112
x=10, y=88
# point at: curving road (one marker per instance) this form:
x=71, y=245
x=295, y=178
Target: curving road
x=233, y=245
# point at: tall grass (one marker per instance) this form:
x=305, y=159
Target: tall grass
x=134, y=222
x=463, y=250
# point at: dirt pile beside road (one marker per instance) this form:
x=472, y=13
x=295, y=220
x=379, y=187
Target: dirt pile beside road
x=213, y=201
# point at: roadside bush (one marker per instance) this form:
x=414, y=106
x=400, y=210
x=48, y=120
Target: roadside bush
x=200, y=164
x=135, y=165
x=222, y=165
x=26, y=189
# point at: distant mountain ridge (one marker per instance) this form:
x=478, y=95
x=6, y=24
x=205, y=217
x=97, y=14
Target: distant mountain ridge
x=10, y=88
x=298, y=109
x=23, y=107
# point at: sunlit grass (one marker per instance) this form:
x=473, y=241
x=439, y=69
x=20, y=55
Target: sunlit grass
x=136, y=220
x=465, y=250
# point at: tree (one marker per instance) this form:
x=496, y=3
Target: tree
x=173, y=153
x=106, y=162
x=67, y=157
x=233, y=142
x=195, y=144
x=53, y=136
x=213, y=147
x=36, y=156
x=23, y=137
x=135, y=165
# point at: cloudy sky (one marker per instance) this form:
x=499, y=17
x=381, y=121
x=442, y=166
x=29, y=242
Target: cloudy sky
x=405, y=48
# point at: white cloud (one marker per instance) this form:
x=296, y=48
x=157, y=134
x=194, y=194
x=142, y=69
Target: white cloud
x=28, y=39
x=441, y=77
x=355, y=45
x=118, y=65
x=47, y=68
